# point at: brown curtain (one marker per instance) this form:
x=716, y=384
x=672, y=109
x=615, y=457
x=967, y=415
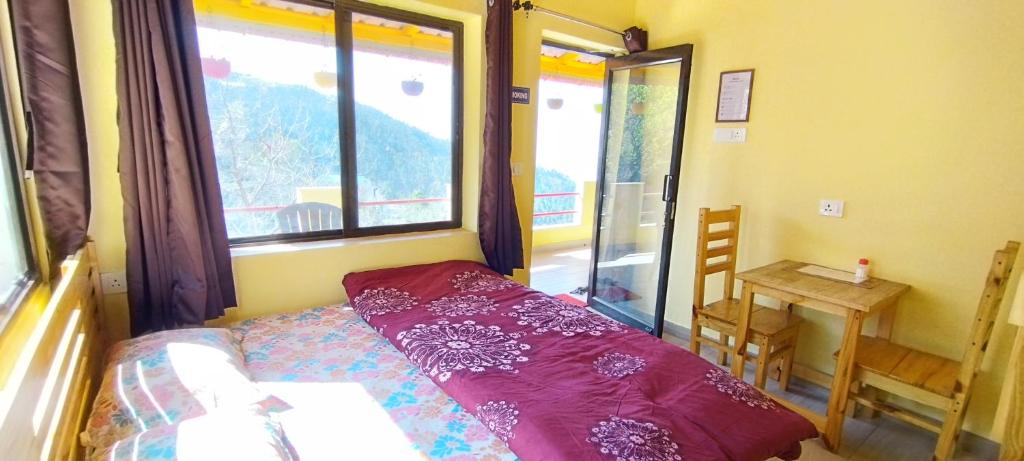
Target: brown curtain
x=500, y=235
x=179, y=265
x=58, y=155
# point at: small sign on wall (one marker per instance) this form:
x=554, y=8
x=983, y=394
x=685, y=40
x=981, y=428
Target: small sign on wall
x=734, y=88
x=520, y=95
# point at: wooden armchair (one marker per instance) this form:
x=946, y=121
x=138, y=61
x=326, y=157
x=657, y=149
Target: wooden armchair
x=773, y=331
x=930, y=379
x=308, y=217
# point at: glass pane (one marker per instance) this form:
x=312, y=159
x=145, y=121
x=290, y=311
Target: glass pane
x=403, y=79
x=640, y=134
x=13, y=264
x=271, y=87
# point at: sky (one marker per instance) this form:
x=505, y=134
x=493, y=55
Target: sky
x=568, y=138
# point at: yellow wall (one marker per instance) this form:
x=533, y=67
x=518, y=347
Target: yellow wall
x=550, y=236
x=283, y=278
x=911, y=111
x=94, y=43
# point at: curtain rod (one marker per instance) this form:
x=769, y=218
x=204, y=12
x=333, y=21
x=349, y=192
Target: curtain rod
x=529, y=6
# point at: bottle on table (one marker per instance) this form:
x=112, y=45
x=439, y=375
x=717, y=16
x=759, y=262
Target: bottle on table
x=862, y=271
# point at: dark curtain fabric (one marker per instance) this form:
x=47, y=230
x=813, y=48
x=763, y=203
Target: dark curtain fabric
x=58, y=155
x=179, y=265
x=501, y=238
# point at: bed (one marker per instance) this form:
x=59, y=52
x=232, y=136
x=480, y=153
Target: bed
x=556, y=381
x=530, y=377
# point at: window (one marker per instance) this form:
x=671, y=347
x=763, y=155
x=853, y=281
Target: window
x=306, y=151
x=16, y=263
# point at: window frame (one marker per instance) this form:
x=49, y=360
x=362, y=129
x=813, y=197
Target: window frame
x=343, y=10
x=10, y=305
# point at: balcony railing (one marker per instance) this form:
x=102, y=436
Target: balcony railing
x=411, y=201
x=274, y=208
x=556, y=212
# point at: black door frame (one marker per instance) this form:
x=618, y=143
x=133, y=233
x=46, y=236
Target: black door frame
x=684, y=55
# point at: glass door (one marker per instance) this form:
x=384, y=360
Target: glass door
x=641, y=149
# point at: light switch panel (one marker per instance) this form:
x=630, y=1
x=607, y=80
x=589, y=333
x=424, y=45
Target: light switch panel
x=730, y=135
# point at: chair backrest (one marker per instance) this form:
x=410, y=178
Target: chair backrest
x=988, y=310
x=308, y=217
x=730, y=235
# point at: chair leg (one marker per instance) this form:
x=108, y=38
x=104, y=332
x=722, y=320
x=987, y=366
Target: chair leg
x=763, y=353
x=951, y=429
x=786, y=370
x=695, y=332
x=723, y=354
x=871, y=394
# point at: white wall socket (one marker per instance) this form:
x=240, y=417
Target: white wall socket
x=114, y=282
x=833, y=208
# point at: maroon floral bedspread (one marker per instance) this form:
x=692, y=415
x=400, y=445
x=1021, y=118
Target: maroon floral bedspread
x=556, y=381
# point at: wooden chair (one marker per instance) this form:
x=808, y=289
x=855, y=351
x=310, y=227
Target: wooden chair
x=308, y=217
x=927, y=378
x=774, y=331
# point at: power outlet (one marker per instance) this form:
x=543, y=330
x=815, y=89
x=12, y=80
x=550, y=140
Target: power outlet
x=114, y=282
x=833, y=208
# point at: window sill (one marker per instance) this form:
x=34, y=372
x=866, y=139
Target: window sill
x=278, y=248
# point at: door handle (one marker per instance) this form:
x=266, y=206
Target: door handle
x=666, y=189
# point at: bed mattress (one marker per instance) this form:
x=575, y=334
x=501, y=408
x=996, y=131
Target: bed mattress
x=351, y=395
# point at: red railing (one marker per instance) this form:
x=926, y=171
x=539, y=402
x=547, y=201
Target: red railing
x=559, y=212
x=556, y=194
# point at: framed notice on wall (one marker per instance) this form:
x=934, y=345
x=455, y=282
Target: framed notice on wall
x=734, y=88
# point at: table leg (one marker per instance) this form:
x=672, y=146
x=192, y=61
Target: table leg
x=742, y=331
x=886, y=320
x=840, y=392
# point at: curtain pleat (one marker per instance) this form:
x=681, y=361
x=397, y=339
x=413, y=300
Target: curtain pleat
x=178, y=257
x=501, y=237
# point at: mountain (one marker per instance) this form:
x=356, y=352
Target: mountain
x=272, y=138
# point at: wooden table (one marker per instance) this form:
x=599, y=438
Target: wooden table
x=782, y=281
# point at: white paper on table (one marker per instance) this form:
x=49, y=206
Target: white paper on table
x=829, y=273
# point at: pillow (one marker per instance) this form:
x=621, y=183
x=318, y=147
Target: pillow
x=163, y=378
x=220, y=435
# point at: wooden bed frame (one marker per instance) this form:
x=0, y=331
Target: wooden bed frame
x=48, y=391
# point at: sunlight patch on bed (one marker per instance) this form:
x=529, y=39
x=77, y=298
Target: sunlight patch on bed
x=197, y=365
x=339, y=421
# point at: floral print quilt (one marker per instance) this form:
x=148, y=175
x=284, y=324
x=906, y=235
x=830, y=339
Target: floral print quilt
x=556, y=381
x=352, y=395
